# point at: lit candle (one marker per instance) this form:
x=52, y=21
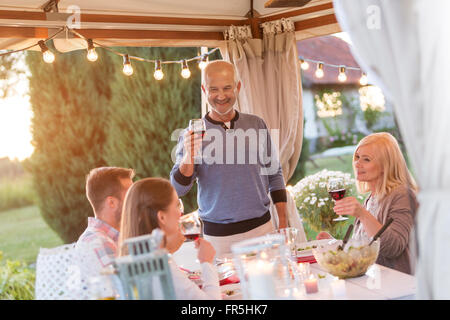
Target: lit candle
x=261, y=281
x=338, y=288
x=311, y=284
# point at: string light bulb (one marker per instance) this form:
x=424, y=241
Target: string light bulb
x=185, y=72
x=342, y=77
x=158, y=71
x=47, y=55
x=363, y=80
x=304, y=64
x=203, y=62
x=319, y=71
x=91, y=54
x=127, y=68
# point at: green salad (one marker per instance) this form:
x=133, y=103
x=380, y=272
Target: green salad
x=350, y=263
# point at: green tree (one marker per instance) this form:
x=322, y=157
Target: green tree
x=146, y=113
x=90, y=114
x=70, y=102
x=10, y=73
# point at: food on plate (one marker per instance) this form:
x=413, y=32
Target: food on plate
x=307, y=248
x=229, y=292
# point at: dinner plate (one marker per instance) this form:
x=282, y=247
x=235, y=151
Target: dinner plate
x=304, y=249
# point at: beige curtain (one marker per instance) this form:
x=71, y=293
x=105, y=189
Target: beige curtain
x=271, y=89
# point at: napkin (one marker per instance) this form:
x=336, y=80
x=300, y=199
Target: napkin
x=229, y=280
x=306, y=259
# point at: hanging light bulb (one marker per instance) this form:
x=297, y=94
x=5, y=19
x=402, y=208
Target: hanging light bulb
x=91, y=54
x=47, y=55
x=127, y=68
x=158, y=70
x=185, y=73
x=342, y=76
x=319, y=70
x=304, y=64
x=363, y=80
x=203, y=62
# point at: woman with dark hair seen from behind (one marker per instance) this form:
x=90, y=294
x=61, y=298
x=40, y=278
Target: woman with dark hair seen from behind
x=381, y=169
x=153, y=203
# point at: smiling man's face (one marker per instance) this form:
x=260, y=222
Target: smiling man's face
x=221, y=88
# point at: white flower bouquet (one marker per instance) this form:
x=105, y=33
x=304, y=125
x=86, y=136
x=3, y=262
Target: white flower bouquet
x=315, y=204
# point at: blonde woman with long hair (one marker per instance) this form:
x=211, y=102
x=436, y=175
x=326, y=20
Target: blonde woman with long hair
x=153, y=203
x=380, y=170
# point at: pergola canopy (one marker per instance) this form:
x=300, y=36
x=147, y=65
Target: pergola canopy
x=151, y=22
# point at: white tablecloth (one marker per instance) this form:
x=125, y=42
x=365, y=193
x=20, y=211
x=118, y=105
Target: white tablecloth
x=379, y=283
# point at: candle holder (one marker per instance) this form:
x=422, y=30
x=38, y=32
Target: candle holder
x=261, y=267
x=311, y=284
x=290, y=236
x=303, y=271
x=338, y=289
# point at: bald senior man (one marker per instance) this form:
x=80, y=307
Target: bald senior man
x=234, y=181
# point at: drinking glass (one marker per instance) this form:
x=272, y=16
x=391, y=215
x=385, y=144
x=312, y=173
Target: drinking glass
x=103, y=286
x=181, y=206
x=197, y=126
x=191, y=226
x=290, y=236
x=336, y=189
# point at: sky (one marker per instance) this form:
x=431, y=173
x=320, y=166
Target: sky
x=15, y=119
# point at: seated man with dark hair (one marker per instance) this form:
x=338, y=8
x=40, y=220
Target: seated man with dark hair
x=106, y=188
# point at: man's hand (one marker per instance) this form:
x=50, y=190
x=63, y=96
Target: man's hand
x=323, y=235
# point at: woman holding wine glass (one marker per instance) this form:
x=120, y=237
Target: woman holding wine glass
x=153, y=203
x=381, y=169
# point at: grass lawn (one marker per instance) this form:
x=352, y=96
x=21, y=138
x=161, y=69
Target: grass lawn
x=23, y=232
x=332, y=164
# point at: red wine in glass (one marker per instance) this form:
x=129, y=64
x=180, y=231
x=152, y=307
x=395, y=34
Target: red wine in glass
x=336, y=189
x=192, y=236
x=337, y=194
x=190, y=226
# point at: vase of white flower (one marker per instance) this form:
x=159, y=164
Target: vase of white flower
x=315, y=205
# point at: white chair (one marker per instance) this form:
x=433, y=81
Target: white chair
x=58, y=275
x=144, y=244
x=145, y=276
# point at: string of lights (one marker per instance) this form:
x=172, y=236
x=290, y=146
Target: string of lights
x=92, y=56
x=202, y=59
x=342, y=77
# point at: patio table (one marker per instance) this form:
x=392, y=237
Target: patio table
x=379, y=282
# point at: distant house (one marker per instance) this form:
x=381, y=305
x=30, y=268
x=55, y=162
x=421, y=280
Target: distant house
x=330, y=50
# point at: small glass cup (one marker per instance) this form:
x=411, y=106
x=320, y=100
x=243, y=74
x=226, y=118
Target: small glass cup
x=102, y=287
x=290, y=236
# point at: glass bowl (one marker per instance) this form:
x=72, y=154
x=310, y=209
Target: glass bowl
x=351, y=262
